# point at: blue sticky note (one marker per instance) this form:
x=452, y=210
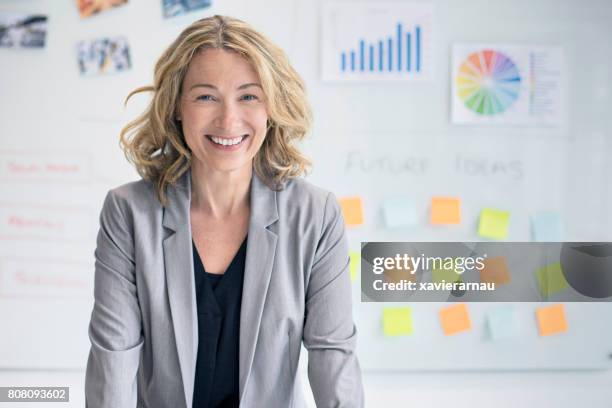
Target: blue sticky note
x=399, y=212
x=502, y=323
x=546, y=226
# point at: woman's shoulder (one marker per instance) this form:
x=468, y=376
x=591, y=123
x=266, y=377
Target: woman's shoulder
x=136, y=194
x=300, y=189
x=300, y=194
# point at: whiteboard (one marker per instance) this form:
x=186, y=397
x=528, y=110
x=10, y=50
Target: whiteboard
x=376, y=140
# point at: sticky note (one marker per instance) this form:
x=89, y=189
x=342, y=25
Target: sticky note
x=493, y=223
x=445, y=274
x=551, y=320
x=355, y=264
x=445, y=210
x=455, y=319
x=399, y=212
x=397, y=321
x=546, y=227
x=398, y=275
x=495, y=271
x=352, y=210
x=502, y=323
x=551, y=279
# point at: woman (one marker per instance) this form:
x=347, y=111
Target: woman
x=212, y=270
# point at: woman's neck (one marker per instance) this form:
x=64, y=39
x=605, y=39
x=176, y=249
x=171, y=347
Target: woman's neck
x=220, y=194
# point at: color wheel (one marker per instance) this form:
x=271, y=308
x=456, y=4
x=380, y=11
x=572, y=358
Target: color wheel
x=488, y=82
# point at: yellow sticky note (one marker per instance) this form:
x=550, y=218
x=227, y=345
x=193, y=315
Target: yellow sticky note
x=551, y=320
x=551, y=279
x=355, y=264
x=446, y=273
x=397, y=321
x=445, y=210
x=352, y=210
x=455, y=319
x=495, y=271
x=493, y=223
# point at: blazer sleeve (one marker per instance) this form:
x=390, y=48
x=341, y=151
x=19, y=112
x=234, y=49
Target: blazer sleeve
x=329, y=331
x=115, y=327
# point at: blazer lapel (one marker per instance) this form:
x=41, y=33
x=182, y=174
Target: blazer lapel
x=178, y=261
x=261, y=247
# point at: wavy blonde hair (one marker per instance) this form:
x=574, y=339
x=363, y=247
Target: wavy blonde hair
x=154, y=141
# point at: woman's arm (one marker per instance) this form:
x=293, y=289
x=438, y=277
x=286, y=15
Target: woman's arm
x=115, y=327
x=329, y=332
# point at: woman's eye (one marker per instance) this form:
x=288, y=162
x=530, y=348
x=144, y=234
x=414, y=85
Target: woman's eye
x=249, y=97
x=205, y=98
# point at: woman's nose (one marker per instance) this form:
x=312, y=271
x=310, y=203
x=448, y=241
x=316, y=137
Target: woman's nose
x=228, y=117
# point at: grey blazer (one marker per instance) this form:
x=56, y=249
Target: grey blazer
x=143, y=327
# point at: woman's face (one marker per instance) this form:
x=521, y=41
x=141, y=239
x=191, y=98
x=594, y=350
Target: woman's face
x=222, y=110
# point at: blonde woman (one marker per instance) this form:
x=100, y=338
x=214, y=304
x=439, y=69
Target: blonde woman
x=214, y=268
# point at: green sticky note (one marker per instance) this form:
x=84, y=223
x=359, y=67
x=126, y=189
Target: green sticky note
x=446, y=273
x=493, y=223
x=397, y=321
x=502, y=323
x=399, y=212
x=551, y=279
x=355, y=264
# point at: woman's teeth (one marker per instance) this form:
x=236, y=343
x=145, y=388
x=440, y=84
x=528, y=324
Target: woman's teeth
x=227, y=142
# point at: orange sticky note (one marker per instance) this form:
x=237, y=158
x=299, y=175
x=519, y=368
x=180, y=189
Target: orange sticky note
x=445, y=210
x=352, y=210
x=455, y=319
x=551, y=320
x=495, y=271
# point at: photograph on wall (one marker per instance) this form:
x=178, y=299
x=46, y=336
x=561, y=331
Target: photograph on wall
x=377, y=42
x=174, y=8
x=88, y=8
x=507, y=85
x=103, y=56
x=19, y=30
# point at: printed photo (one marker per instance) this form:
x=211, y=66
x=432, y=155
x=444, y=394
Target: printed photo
x=104, y=56
x=88, y=8
x=22, y=30
x=174, y=8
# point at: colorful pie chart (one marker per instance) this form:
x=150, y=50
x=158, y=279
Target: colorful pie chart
x=488, y=82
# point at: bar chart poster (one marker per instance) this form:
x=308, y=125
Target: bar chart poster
x=377, y=42
x=507, y=85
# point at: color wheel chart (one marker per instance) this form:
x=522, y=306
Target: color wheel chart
x=377, y=42
x=507, y=85
x=488, y=82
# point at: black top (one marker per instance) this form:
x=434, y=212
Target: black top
x=219, y=298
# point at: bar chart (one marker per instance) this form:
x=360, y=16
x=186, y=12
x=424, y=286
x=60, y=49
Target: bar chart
x=395, y=53
x=377, y=42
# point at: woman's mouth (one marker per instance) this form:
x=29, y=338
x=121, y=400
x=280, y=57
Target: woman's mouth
x=227, y=143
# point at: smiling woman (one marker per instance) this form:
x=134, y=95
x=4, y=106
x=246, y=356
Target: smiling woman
x=213, y=269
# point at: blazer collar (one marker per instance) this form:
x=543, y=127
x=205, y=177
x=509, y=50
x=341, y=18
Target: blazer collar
x=264, y=211
x=180, y=282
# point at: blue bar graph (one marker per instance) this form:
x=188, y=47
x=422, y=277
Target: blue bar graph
x=361, y=55
x=408, y=52
x=377, y=55
x=399, y=46
x=417, y=31
x=380, y=55
x=390, y=53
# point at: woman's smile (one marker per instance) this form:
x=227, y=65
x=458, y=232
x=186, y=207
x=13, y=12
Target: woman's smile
x=227, y=143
